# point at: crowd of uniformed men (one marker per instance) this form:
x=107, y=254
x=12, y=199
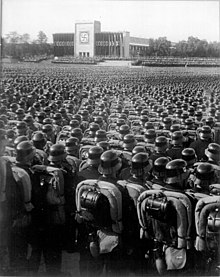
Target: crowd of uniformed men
x=159, y=133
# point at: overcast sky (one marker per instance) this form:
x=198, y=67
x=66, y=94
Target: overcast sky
x=177, y=20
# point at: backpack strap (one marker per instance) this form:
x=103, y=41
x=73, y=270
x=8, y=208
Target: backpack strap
x=181, y=221
x=115, y=199
x=188, y=206
x=20, y=175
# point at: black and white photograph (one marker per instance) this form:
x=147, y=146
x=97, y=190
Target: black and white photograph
x=109, y=138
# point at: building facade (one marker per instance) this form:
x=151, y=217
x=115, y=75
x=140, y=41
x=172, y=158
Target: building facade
x=89, y=41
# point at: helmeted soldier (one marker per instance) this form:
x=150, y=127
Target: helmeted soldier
x=205, y=138
x=129, y=142
x=140, y=170
x=40, y=142
x=109, y=166
x=213, y=153
x=177, y=175
x=50, y=133
x=176, y=145
x=150, y=137
x=189, y=155
x=204, y=177
x=72, y=149
x=161, y=146
x=159, y=172
x=22, y=129
x=18, y=243
x=93, y=127
x=31, y=124
x=77, y=133
x=58, y=158
x=20, y=114
x=123, y=131
x=89, y=168
x=100, y=135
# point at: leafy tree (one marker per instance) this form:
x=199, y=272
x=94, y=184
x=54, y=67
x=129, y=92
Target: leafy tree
x=13, y=37
x=25, y=38
x=42, y=38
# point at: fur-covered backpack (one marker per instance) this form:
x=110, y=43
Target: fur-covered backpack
x=99, y=205
x=207, y=221
x=165, y=218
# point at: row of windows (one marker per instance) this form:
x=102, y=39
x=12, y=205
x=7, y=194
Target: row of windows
x=64, y=43
x=107, y=43
x=131, y=47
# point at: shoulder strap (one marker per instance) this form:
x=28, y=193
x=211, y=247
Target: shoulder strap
x=188, y=207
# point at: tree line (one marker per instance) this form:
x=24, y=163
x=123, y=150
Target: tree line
x=18, y=46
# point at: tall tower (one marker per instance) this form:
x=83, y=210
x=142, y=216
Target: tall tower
x=85, y=38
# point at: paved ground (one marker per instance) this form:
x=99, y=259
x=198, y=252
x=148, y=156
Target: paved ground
x=70, y=265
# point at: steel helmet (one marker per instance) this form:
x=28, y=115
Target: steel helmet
x=20, y=139
x=177, y=137
x=210, y=121
x=110, y=162
x=174, y=127
x=77, y=132
x=120, y=122
x=129, y=141
x=144, y=118
x=159, y=166
x=25, y=152
x=74, y=123
x=205, y=132
x=57, y=152
x=39, y=140
x=21, y=127
x=124, y=129
x=47, y=120
x=150, y=134
x=100, y=135
x=213, y=151
x=98, y=119
x=149, y=125
x=10, y=133
x=161, y=142
x=189, y=155
x=205, y=171
x=140, y=163
x=176, y=172
x=138, y=149
x=20, y=112
x=72, y=144
x=28, y=119
x=94, y=155
x=47, y=128
x=77, y=117
x=93, y=127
